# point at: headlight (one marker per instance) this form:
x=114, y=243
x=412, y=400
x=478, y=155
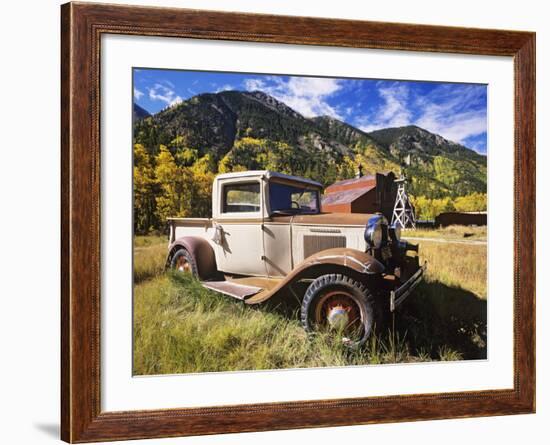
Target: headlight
x=395, y=233
x=374, y=234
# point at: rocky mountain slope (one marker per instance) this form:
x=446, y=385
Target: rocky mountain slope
x=220, y=124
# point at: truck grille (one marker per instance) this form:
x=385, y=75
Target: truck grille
x=314, y=244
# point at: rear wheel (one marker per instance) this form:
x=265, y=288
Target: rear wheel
x=183, y=262
x=339, y=304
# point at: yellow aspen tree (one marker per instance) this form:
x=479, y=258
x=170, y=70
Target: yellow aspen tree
x=174, y=197
x=144, y=182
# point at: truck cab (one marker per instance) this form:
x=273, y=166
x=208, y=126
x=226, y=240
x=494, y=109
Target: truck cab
x=252, y=214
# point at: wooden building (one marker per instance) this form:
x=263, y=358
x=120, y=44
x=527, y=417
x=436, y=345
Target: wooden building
x=364, y=194
x=461, y=218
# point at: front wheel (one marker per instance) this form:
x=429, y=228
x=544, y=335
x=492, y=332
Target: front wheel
x=339, y=304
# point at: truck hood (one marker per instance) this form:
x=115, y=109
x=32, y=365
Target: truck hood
x=327, y=219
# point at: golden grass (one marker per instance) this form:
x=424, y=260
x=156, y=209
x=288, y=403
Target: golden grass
x=449, y=232
x=447, y=315
x=456, y=265
x=149, y=257
x=150, y=240
x=181, y=327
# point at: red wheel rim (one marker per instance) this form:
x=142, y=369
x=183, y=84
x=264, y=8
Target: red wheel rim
x=182, y=264
x=339, y=310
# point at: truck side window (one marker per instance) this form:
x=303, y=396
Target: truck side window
x=243, y=197
x=290, y=198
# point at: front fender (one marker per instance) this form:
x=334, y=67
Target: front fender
x=338, y=259
x=200, y=250
x=361, y=262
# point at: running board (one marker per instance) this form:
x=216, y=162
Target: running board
x=235, y=290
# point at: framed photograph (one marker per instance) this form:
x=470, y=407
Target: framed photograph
x=275, y=222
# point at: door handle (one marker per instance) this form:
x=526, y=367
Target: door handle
x=218, y=235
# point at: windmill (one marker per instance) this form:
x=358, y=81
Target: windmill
x=403, y=211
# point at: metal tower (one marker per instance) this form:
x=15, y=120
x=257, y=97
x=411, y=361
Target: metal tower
x=403, y=211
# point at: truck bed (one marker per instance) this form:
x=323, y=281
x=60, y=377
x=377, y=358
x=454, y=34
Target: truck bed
x=179, y=227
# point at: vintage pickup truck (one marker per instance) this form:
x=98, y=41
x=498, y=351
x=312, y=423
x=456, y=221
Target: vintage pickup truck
x=267, y=237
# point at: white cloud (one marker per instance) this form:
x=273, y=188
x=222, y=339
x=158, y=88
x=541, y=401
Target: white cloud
x=306, y=95
x=176, y=101
x=455, y=127
x=165, y=93
x=454, y=112
x=395, y=111
x=254, y=84
x=137, y=94
x=313, y=87
x=226, y=87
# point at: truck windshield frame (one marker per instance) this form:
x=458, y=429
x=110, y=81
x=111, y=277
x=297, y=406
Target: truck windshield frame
x=284, y=197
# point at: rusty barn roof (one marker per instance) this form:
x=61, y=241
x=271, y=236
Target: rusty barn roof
x=344, y=196
x=364, y=182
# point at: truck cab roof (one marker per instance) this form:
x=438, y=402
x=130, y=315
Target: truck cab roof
x=268, y=174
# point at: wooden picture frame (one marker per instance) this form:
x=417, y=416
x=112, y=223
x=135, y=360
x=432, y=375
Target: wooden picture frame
x=82, y=26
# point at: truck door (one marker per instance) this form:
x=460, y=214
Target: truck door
x=238, y=225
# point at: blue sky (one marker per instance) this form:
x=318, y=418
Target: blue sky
x=457, y=112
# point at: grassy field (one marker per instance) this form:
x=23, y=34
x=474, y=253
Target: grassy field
x=450, y=233
x=181, y=327
x=149, y=257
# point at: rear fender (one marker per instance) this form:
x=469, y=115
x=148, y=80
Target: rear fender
x=200, y=250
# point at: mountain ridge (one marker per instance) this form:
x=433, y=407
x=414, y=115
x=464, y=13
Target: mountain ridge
x=218, y=124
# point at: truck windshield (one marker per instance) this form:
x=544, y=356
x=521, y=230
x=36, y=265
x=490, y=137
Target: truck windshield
x=291, y=199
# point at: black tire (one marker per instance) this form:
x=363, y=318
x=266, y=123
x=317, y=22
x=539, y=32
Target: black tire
x=346, y=296
x=184, y=262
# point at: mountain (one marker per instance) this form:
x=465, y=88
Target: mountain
x=255, y=130
x=438, y=167
x=213, y=122
x=140, y=113
x=414, y=140
x=340, y=131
